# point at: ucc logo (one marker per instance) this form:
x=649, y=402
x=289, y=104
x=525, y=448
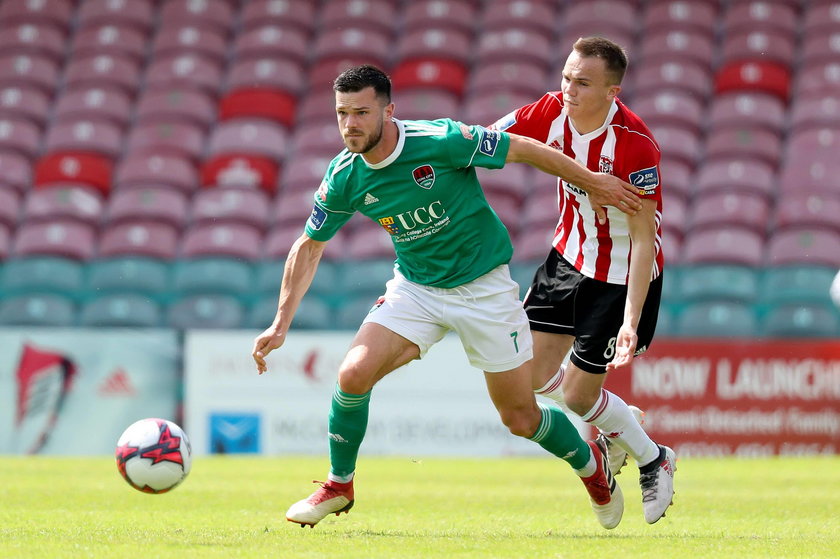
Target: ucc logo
x=421, y=216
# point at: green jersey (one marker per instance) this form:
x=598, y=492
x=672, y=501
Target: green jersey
x=427, y=197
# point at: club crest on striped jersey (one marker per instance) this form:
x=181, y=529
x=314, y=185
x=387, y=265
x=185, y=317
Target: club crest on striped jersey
x=424, y=176
x=605, y=164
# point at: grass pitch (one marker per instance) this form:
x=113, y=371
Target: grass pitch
x=429, y=508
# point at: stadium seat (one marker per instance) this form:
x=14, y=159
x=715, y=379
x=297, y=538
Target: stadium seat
x=801, y=321
x=679, y=175
x=43, y=39
x=532, y=245
x=820, y=17
x=729, y=207
x=57, y=12
x=735, y=175
x=130, y=274
x=58, y=237
x=671, y=282
x=152, y=203
x=234, y=240
x=366, y=277
x=729, y=244
x=323, y=138
x=374, y=15
x=26, y=70
x=747, y=110
x=259, y=103
x=94, y=170
x=185, y=70
x=804, y=246
x=672, y=249
x=369, y=242
x=430, y=73
x=205, y=311
x=213, y=14
x=301, y=14
x=670, y=109
x=437, y=43
x=674, y=214
x=241, y=171
x=280, y=238
x=103, y=70
x=125, y=310
x=273, y=73
x=20, y=135
x=10, y=206
x=231, y=205
x=94, y=104
x=188, y=38
x=768, y=77
x=147, y=239
x=314, y=313
x=807, y=209
x=42, y=274
x=584, y=17
x=541, y=208
x=91, y=136
x=371, y=45
x=486, y=108
x=764, y=45
x=664, y=45
x=760, y=16
x=744, y=143
x=815, y=110
x=226, y=276
x=530, y=79
x=350, y=314
x=717, y=319
x=106, y=12
x=177, y=103
x=523, y=274
x=293, y=208
x=143, y=169
x=720, y=282
x=683, y=77
x=37, y=310
x=304, y=172
x=460, y=15
x=513, y=181
x=812, y=78
x=245, y=135
x=178, y=138
x=326, y=283
x=533, y=15
x=272, y=41
x=64, y=201
x=797, y=284
x=25, y=101
x=666, y=322
x=681, y=15
x=513, y=45
x=678, y=143
x=117, y=38
x=17, y=171
x=321, y=75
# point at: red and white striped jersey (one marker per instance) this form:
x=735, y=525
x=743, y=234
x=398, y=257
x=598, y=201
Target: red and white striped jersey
x=624, y=147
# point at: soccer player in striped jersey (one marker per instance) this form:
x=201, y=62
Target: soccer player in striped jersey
x=417, y=180
x=599, y=289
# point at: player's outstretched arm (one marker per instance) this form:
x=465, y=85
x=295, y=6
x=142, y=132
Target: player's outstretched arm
x=300, y=268
x=603, y=189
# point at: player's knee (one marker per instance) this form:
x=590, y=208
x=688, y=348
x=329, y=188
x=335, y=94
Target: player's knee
x=354, y=378
x=522, y=422
x=577, y=401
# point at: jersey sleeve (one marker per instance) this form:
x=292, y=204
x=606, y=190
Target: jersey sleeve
x=642, y=171
x=330, y=209
x=534, y=120
x=476, y=146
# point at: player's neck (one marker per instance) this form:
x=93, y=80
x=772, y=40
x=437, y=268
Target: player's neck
x=386, y=146
x=584, y=124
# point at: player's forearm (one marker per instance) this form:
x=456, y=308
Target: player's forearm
x=642, y=237
x=301, y=265
x=549, y=160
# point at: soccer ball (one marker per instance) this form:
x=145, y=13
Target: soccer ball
x=153, y=455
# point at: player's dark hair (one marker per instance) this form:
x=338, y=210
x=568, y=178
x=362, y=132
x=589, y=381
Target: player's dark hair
x=358, y=78
x=611, y=53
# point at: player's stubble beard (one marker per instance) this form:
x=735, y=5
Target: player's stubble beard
x=371, y=143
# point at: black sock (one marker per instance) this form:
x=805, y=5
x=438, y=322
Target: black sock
x=653, y=465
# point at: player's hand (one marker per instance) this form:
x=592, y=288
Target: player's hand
x=609, y=190
x=264, y=344
x=625, y=348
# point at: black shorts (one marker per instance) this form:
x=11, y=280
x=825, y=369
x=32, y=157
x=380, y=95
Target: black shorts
x=561, y=300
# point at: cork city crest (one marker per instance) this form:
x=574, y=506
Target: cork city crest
x=424, y=176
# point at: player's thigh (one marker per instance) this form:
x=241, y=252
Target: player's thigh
x=550, y=351
x=374, y=352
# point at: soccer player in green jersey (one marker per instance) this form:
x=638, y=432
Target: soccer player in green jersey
x=417, y=180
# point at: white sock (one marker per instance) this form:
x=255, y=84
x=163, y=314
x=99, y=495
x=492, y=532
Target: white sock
x=590, y=468
x=341, y=479
x=612, y=417
x=554, y=389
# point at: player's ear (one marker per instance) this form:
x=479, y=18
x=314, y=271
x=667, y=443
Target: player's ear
x=613, y=92
x=389, y=111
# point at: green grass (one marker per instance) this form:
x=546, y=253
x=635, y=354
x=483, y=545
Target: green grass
x=510, y=508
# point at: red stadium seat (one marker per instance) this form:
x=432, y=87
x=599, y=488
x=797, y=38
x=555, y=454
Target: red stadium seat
x=231, y=205
x=301, y=14
x=185, y=70
x=181, y=138
x=177, y=103
x=42, y=39
x=187, y=38
x=104, y=70
x=25, y=101
x=758, y=76
x=94, y=104
x=139, y=169
x=149, y=203
x=747, y=109
x=804, y=246
x=58, y=237
x=735, y=175
x=241, y=170
x=724, y=245
x=64, y=202
x=253, y=136
x=107, y=12
x=430, y=73
x=460, y=15
x=729, y=208
x=151, y=239
x=804, y=210
x=91, y=136
x=75, y=167
x=276, y=106
x=213, y=14
x=15, y=171
x=110, y=38
x=233, y=240
x=26, y=70
x=271, y=73
x=273, y=41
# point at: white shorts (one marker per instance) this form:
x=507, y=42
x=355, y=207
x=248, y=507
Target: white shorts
x=486, y=313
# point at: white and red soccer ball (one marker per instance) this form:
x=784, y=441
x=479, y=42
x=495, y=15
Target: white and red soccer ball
x=154, y=455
